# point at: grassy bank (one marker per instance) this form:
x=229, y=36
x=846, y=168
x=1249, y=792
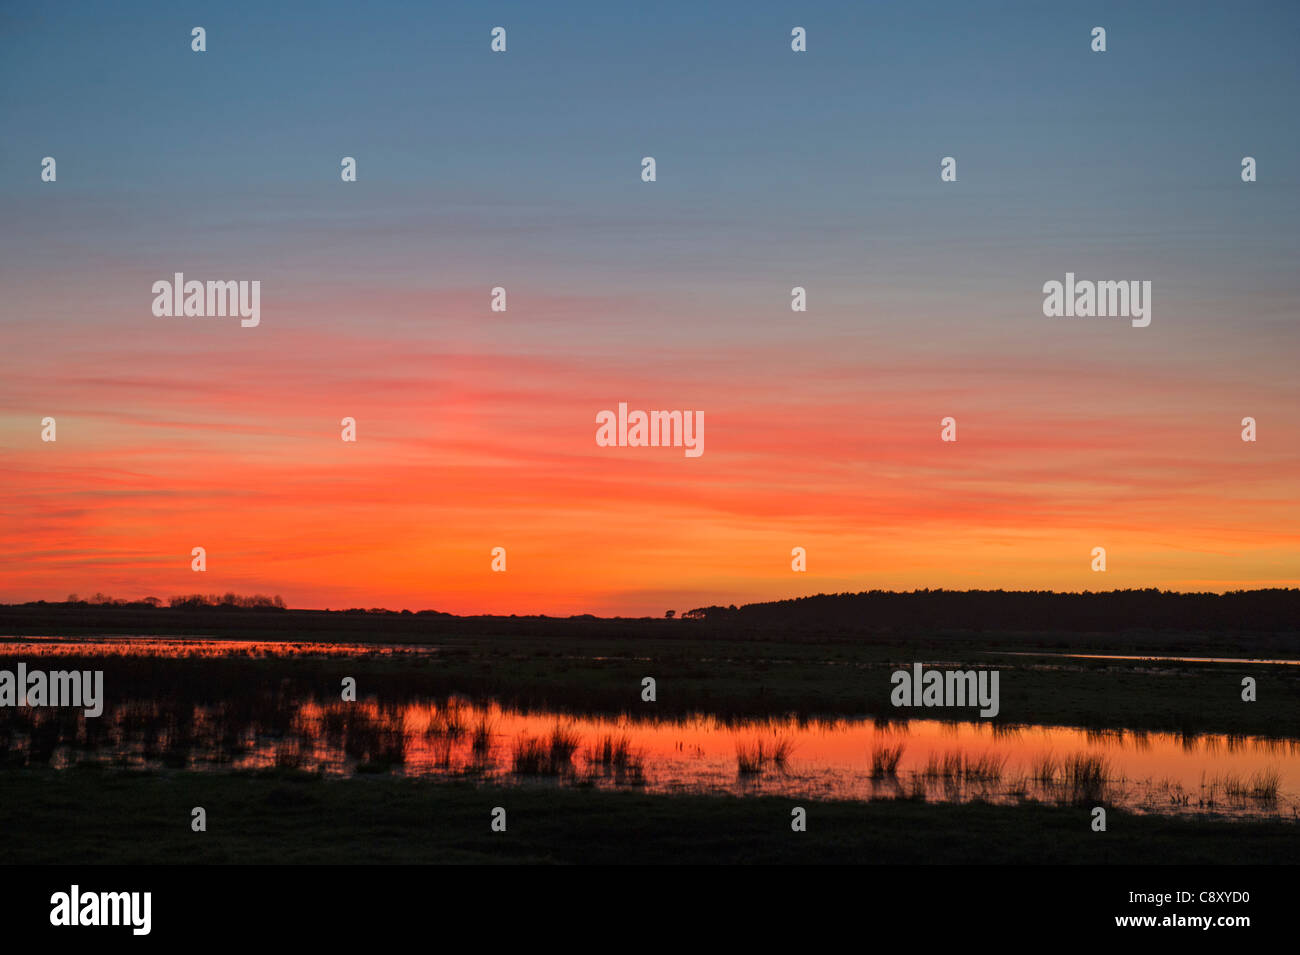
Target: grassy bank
x=90, y=817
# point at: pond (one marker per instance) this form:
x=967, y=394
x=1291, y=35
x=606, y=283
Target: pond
x=831, y=757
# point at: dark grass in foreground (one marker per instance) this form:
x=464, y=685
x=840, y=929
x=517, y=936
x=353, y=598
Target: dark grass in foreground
x=89, y=817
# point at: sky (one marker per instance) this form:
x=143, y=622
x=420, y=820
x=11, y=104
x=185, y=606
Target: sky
x=775, y=169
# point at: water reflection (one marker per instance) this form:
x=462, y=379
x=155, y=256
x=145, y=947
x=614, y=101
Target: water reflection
x=830, y=758
x=197, y=648
x=1148, y=656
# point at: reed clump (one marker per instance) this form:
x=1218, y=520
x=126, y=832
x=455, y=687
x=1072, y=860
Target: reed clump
x=545, y=755
x=1085, y=777
x=885, y=759
x=754, y=758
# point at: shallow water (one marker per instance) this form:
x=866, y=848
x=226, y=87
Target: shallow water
x=826, y=758
x=1148, y=656
x=181, y=647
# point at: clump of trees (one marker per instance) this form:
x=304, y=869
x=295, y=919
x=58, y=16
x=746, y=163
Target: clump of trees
x=104, y=600
x=255, y=602
x=189, y=601
x=711, y=613
x=1275, y=609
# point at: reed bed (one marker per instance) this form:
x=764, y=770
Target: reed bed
x=757, y=757
x=885, y=759
x=481, y=741
x=1045, y=769
x=545, y=756
x=611, y=752
x=1085, y=777
x=955, y=766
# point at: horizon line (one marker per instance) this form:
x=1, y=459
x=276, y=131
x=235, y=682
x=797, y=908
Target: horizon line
x=265, y=602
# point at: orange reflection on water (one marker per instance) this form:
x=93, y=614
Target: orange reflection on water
x=820, y=758
x=832, y=758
